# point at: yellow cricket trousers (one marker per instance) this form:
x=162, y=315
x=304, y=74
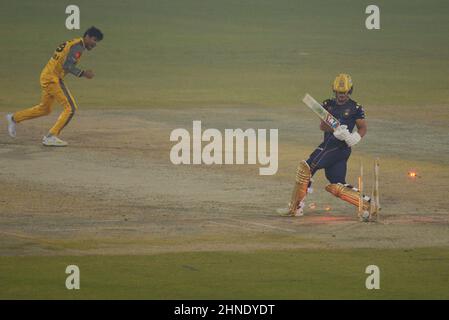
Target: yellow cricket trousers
x=51, y=91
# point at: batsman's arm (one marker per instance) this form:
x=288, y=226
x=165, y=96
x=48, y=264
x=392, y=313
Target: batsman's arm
x=353, y=138
x=362, y=127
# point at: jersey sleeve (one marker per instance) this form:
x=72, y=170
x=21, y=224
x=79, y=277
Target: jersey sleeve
x=71, y=60
x=359, y=112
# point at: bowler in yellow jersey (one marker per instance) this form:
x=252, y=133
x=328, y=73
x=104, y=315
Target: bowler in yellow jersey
x=63, y=61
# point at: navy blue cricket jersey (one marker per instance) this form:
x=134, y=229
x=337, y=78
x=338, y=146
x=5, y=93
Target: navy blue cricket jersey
x=346, y=114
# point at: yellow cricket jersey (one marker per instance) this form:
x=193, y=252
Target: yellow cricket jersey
x=64, y=61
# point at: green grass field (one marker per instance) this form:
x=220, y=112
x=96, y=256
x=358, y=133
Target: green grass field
x=295, y=274
x=260, y=52
x=217, y=53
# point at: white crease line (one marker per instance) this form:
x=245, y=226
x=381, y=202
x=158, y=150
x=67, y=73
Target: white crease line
x=263, y=225
x=90, y=229
x=59, y=230
x=18, y=235
x=230, y=225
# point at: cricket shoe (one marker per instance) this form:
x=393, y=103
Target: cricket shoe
x=11, y=125
x=53, y=141
x=286, y=212
x=300, y=210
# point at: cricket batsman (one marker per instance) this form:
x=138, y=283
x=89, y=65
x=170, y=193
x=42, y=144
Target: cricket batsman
x=63, y=61
x=333, y=153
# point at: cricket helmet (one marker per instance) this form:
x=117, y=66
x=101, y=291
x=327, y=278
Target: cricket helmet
x=342, y=84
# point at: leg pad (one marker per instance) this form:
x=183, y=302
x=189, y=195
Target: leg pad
x=348, y=194
x=302, y=179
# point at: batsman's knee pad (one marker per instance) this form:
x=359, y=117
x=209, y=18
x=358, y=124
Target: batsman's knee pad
x=348, y=194
x=302, y=179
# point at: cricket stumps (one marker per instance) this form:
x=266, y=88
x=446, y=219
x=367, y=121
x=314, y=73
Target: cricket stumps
x=375, y=208
x=372, y=213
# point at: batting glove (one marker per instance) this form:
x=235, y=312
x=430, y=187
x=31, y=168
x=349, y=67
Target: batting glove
x=342, y=133
x=353, y=139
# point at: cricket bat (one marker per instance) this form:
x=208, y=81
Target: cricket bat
x=322, y=113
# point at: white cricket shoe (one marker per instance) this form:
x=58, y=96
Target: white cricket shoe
x=299, y=212
x=11, y=125
x=53, y=141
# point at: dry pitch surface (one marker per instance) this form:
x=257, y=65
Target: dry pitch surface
x=115, y=191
